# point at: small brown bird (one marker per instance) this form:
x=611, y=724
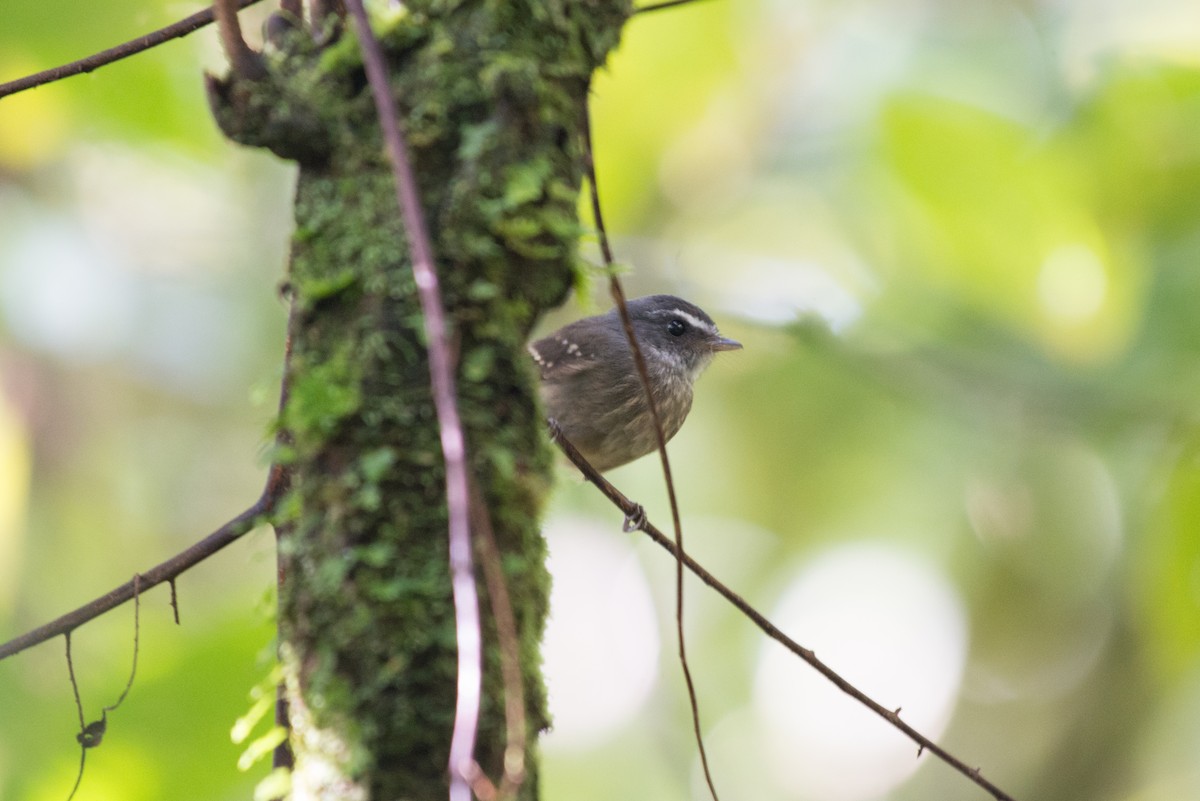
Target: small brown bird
x=591, y=387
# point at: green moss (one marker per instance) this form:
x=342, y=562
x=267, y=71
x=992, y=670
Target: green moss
x=322, y=394
x=324, y=286
x=490, y=94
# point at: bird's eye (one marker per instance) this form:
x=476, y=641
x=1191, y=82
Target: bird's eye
x=676, y=327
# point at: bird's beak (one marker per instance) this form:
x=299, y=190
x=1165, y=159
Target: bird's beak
x=721, y=343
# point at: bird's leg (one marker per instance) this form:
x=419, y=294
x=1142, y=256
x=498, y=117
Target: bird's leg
x=634, y=519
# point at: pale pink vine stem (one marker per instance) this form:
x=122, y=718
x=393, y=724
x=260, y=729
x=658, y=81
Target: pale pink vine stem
x=445, y=399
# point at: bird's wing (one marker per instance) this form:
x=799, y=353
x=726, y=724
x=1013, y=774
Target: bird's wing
x=558, y=357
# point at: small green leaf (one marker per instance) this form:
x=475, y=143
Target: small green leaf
x=482, y=290
x=376, y=554
x=527, y=182
x=328, y=285
x=322, y=395
x=376, y=463
x=277, y=784
x=477, y=364
x=246, y=723
x=261, y=747
x=475, y=139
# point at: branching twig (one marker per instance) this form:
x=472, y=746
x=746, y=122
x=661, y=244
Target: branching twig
x=91, y=734
x=156, y=575
x=513, y=775
x=630, y=508
x=639, y=360
x=445, y=398
x=104, y=57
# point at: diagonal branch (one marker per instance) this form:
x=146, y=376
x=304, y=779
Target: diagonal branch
x=445, y=398
x=124, y=50
x=631, y=509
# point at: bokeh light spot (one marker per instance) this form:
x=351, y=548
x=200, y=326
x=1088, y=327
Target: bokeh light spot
x=601, y=646
x=1072, y=284
x=889, y=623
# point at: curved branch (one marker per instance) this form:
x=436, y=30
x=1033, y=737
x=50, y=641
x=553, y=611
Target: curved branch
x=635, y=511
x=124, y=50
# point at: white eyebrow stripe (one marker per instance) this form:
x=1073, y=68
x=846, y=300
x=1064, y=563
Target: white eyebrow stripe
x=695, y=321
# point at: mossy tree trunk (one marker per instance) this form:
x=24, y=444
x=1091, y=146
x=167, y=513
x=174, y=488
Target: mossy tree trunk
x=491, y=94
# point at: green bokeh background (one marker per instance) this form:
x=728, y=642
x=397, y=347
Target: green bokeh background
x=961, y=242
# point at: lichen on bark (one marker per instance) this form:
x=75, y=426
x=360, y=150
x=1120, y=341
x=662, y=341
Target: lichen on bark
x=491, y=95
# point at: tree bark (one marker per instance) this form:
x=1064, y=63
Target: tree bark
x=491, y=94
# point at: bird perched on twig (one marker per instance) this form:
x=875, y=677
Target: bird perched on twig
x=591, y=387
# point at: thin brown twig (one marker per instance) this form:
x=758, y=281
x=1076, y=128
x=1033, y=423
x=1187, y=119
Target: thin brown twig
x=137, y=627
x=445, y=397
x=662, y=5
x=82, y=724
x=74, y=683
x=91, y=734
x=513, y=775
x=282, y=756
x=892, y=716
x=639, y=360
x=113, y=54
